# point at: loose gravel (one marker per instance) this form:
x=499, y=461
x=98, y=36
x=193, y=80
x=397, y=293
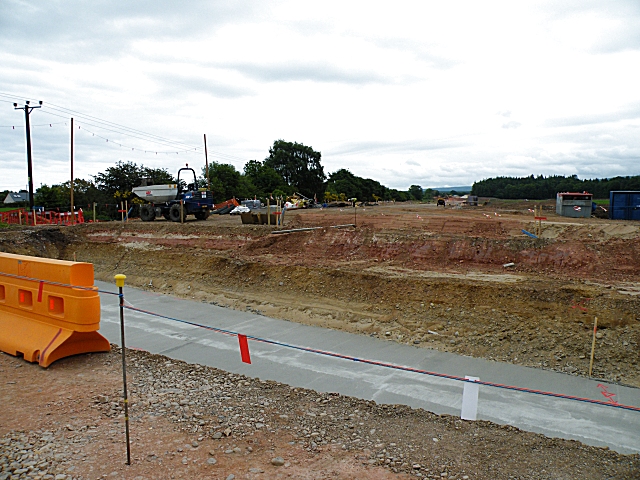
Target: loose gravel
x=231, y=411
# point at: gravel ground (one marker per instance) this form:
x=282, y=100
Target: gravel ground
x=192, y=421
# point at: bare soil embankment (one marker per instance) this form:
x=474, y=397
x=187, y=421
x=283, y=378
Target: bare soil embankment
x=402, y=274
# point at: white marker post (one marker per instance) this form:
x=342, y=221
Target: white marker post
x=470, y=399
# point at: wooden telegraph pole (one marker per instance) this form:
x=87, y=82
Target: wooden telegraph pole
x=27, y=110
x=206, y=161
x=73, y=213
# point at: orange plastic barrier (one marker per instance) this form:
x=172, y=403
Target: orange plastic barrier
x=44, y=322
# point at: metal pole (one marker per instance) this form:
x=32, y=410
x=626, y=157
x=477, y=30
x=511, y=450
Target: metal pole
x=72, y=209
x=206, y=161
x=120, y=284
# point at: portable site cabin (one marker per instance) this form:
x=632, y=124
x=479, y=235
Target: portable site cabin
x=573, y=204
x=624, y=205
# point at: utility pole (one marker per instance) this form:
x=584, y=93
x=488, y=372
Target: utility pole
x=73, y=213
x=206, y=161
x=27, y=110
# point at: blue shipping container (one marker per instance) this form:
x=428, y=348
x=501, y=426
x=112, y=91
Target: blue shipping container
x=624, y=205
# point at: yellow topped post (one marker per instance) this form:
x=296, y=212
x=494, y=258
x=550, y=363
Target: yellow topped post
x=120, y=284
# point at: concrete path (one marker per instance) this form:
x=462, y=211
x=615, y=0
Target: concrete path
x=591, y=424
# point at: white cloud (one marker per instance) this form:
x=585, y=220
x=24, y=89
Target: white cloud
x=405, y=93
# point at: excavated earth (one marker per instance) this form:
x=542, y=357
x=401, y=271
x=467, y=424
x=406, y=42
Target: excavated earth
x=465, y=280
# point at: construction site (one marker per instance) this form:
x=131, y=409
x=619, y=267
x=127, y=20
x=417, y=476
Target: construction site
x=486, y=281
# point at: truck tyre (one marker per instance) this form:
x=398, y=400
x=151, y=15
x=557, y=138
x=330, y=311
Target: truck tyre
x=147, y=213
x=202, y=215
x=174, y=212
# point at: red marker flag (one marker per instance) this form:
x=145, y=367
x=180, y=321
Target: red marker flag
x=244, y=348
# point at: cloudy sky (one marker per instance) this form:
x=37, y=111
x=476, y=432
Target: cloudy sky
x=404, y=92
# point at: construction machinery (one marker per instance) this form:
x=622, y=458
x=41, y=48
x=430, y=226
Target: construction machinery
x=225, y=207
x=175, y=201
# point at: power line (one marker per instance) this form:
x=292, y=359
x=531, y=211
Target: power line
x=15, y=98
x=108, y=125
x=224, y=156
x=180, y=147
x=39, y=125
x=120, y=129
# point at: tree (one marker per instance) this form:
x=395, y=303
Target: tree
x=416, y=192
x=51, y=197
x=265, y=179
x=227, y=182
x=429, y=194
x=298, y=165
x=85, y=193
x=343, y=181
x=127, y=175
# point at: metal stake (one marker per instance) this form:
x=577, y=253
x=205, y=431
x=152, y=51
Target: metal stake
x=120, y=284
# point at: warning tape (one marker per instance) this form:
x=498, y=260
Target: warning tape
x=391, y=365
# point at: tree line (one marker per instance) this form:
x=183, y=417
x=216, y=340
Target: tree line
x=542, y=188
x=290, y=168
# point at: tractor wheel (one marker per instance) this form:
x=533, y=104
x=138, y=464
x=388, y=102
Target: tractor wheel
x=147, y=213
x=202, y=215
x=174, y=212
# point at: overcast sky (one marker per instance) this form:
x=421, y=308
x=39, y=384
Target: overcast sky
x=404, y=92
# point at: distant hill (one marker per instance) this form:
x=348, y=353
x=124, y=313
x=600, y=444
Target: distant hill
x=466, y=189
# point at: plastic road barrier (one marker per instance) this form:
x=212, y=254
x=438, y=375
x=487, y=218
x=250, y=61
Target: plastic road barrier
x=49, y=309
